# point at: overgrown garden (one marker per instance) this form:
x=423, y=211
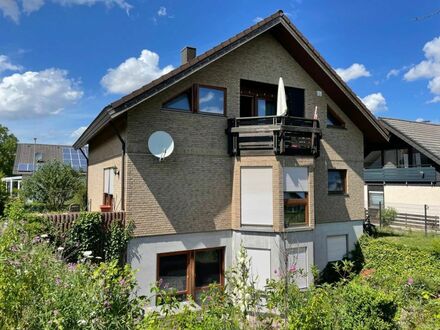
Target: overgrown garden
x=79, y=281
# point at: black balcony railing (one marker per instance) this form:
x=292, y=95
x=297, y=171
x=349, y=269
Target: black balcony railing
x=280, y=135
x=400, y=174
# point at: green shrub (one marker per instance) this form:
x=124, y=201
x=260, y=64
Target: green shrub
x=117, y=239
x=86, y=236
x=89, y=238
x=361, y=307
x=388, y=215
x=53, y=184
x=38, y=290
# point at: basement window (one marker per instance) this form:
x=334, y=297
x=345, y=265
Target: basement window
x=333, y=120
x=190, y=272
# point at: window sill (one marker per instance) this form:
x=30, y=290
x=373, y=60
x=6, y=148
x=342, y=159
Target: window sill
x=264, y=229
x=299, y=228
x=338, y=194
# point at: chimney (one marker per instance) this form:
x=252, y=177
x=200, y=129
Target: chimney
x=188, y=53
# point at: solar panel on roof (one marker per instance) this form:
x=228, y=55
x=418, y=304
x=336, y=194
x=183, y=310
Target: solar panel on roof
x=75, y=158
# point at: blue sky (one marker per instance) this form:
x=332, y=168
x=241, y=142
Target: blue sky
x=61, y=61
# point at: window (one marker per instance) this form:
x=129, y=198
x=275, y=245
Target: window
x=259, y=99
x=211, y=100
x=256, y=196
x=403, y=158
x=173, y=273
x=202, y=99
x=337, y=181
x=266, y=107
x=259, y=266
x=109, y=179
x=182, y=101
x=336, y=247
x=375, y=199
x=190, y=272
x=295, y=101
x=333, y=119
x=298, y=258
x=296, y=187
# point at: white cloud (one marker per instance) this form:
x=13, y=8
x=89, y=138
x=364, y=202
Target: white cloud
x=393, y=73
x=35, y=94
x=162, y=11
x=134, y=73
x=14, y=8
x=354, y=71
x=77, y=133
x=375, y=102
x=257, y=19
x=6, y=65
x=428, y=68
x=436, y=99
x=420, y=120
x=10, y=9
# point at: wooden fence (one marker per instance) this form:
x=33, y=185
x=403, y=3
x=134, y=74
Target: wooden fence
x=64, y=221
x=407, y=221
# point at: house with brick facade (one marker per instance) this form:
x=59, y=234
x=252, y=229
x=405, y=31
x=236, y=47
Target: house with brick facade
x=284, y=187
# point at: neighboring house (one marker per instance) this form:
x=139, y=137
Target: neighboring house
x=404, y=173
x=280, y=186
x=30, y=156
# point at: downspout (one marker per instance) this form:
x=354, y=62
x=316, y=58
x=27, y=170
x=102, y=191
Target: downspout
x=87, y=178
x=123, y=145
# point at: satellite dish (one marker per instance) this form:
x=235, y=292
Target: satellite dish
x=161, y=144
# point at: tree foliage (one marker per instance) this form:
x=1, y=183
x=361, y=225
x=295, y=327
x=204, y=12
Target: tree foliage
x=8, y=147
x=53, y=184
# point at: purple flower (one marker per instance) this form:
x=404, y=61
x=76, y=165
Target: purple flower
x=71, y=266
x=292, y=268
x=122, y=281
x=107, y=304
x=36, y=240
x=57, y=280
x=410, y=281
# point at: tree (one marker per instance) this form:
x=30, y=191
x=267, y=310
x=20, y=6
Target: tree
x=53, y=184
x=8, y=147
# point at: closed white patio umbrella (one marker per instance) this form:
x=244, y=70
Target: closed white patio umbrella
x=281, y=99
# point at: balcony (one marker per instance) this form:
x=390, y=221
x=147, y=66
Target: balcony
x=403, y=175
x=279, y=135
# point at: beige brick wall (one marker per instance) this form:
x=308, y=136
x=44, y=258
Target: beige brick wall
x=95, y=183
x=277, y=164
x=196, y=188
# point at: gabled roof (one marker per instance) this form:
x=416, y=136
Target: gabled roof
x=294, y=42
x=24, y=156
x=424, y=137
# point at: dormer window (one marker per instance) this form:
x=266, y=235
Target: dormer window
x=333, y=120
x=199, y=99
